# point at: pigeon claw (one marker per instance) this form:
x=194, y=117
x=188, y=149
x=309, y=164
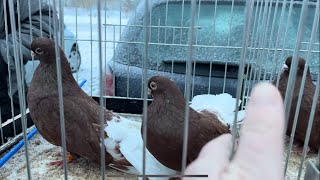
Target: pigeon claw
x=69, y=157
x=59, y=163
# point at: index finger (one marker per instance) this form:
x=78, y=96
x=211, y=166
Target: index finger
x=262, y=137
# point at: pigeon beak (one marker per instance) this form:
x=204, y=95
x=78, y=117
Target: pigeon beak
x=285, y=67
x=33, y=54
x=149, y=91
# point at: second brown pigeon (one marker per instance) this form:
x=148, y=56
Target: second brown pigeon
x=165, y=125
x=306, y=103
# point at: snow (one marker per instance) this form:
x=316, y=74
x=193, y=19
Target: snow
x=85, y=28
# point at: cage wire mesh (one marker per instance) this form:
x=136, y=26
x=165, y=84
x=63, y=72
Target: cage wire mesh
x=205, y=46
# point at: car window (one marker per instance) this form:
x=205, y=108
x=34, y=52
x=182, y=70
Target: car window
x=217, y=35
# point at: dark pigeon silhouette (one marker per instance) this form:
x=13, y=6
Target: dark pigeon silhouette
x=165, y=125
x=80, y=110
x=306, y=104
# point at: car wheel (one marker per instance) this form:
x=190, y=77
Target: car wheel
x=74, y=59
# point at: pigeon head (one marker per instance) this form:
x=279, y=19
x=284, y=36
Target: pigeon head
x=300, y=68
x=43, y=49
x=161, y=85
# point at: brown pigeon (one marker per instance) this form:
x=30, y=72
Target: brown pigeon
x=165, y=125
x=306, y=103
x=80, y=110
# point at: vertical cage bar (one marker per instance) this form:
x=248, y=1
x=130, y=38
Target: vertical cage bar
x=158, y=46
x=225, y=76
x=61, y=24
x=264, y=37
x=120, y=16
x=283, y=10
x=174, y=50
x=1, y=131
x=272, y=31
x=188, y=89
x=105, y=43
x=318, y=159
x=101, y=100
x=91, y=50
x=285, y=36
x=246, y=33
x=261, y=40
x=312, y=39
x=128, y=64
x=166, y=23
x=196, y=42
x=30, y=24
x=40, y=14
x=20, y=84
x=316, y=93
x=251, y=51
x=310, y=121
x=226, y=63
x=22, y=111
x=114, y=62
x=9, y=64
x=230, y=21
x=262, y=64
x=49, y=2
x=258, y=40
x=254, y=41
x=181, y=22
x=294, y=65
x=145, y=84
x=150, y=19
x=142, y=79
x=77, y=74
x=213, y=36
x=198, y=21
x=60, y=92
x=128, y=69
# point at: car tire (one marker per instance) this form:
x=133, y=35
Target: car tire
x=74, y=59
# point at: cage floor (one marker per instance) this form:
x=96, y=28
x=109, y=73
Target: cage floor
x=41, y=153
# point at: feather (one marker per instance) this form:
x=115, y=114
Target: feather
x=127, y=134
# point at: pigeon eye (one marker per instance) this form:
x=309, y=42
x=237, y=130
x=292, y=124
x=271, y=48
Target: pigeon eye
x=39, y=51
x=153, y=85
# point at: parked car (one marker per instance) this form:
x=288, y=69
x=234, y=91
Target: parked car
x=71, y=49
x=216, y=51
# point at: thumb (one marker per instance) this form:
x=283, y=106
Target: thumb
x=212, y=159
x=261, y=144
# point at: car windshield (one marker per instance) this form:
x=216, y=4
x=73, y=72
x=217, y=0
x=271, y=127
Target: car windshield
x=218, y=35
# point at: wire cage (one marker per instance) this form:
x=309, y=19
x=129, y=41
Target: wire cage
x=204, y=46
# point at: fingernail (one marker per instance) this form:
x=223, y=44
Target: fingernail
x=265, y=94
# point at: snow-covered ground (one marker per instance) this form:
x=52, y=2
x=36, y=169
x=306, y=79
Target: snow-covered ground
x=84, y=25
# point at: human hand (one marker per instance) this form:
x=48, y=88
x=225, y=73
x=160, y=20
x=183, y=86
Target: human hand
x=260, y=150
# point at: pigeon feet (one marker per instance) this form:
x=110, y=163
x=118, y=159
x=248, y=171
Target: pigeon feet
x=59, y=163
x=297, y=148
x=69, y=157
